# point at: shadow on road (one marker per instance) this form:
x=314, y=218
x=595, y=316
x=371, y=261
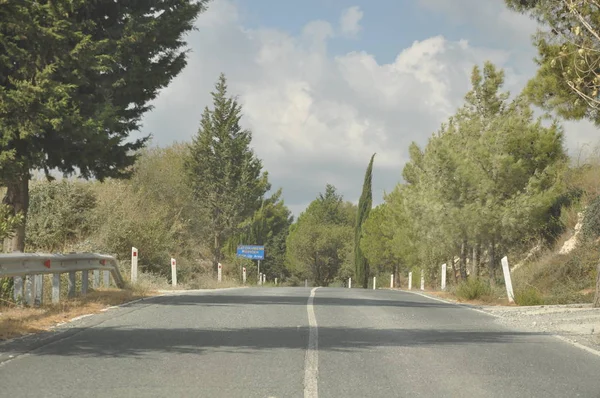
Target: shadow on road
x=209, y=300
x=118, y=342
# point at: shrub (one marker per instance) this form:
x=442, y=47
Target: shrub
x=473, y=289
x=591, y=222
x=528, y=296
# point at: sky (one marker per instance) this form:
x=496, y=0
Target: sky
x=324, y=84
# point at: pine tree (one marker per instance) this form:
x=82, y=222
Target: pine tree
x=568, y=78
x=76, y=78
x=225, y=174
x=364, y=207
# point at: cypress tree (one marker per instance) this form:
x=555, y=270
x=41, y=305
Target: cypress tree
x=364, y=208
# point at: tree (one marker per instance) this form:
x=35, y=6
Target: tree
x=568, y=79
x=364, y=207
x=321, y=238
x=268, y=226
x=377, y=240
x=487, y=178
x=60, y=213
x=76, y=78
x=225, y=175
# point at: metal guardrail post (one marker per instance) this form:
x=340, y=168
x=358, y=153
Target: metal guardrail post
x=85, y=281
x=38, y=292
x=55, y=288
x=72, y=281
x=106, y=281
x=18, y=286
x=96, y=279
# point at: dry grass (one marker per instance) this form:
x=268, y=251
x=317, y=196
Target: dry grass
x=494, y=299
x=18, y=321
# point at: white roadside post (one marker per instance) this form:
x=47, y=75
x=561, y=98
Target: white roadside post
x=244, y=275
x=275, y=281
x=264, y=278
x=174, y=272
x=422, y=280
x=219, y=272
x=134, y=264
x=349, y=283
x=443, y=276
x=374, y=282
x=507, y=280
x=306, y=283
x=410, y=281
x=392, y=281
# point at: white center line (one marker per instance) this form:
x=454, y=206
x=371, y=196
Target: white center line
x=311, y=361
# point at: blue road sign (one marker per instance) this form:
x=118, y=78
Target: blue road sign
x=251, y=252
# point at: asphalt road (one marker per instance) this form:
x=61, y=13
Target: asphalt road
x=278, y=342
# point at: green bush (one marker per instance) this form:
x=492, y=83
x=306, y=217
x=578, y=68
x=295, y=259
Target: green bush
x=528, y=296
x=473, y=289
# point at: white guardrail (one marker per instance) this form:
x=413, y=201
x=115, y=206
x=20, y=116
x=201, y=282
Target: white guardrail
x=28, y=270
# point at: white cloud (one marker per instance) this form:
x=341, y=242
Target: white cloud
x=350, y=21
x=315, y=118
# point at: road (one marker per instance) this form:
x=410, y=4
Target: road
x=279, y=342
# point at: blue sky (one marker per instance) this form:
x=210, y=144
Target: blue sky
x=388, y=25
x=324, y=84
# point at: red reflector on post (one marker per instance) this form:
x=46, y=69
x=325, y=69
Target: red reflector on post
x=47, y=263
x=103, y=262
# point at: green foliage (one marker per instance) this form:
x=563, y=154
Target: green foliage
x=567, y=80
x=320, y=242
x=226, y=177
x=528, y=296
x=269, y=226
x=60, y=214
x=488, y=179
x=365, y=203
x=473, y=289
x=8, y=221
x=76, y=78
x=591, y=221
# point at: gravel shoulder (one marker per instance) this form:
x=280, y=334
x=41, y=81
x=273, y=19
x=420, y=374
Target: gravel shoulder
x=577, y=323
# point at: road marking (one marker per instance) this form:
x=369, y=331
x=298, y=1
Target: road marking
x=311, y=361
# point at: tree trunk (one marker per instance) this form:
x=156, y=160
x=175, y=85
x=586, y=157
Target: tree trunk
x=475, y=266
x=597, y=297
x=450, y=264
x=396, y=275
x=217, y=253
x=17, y=197
x=492, y=264
x=463, y=260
